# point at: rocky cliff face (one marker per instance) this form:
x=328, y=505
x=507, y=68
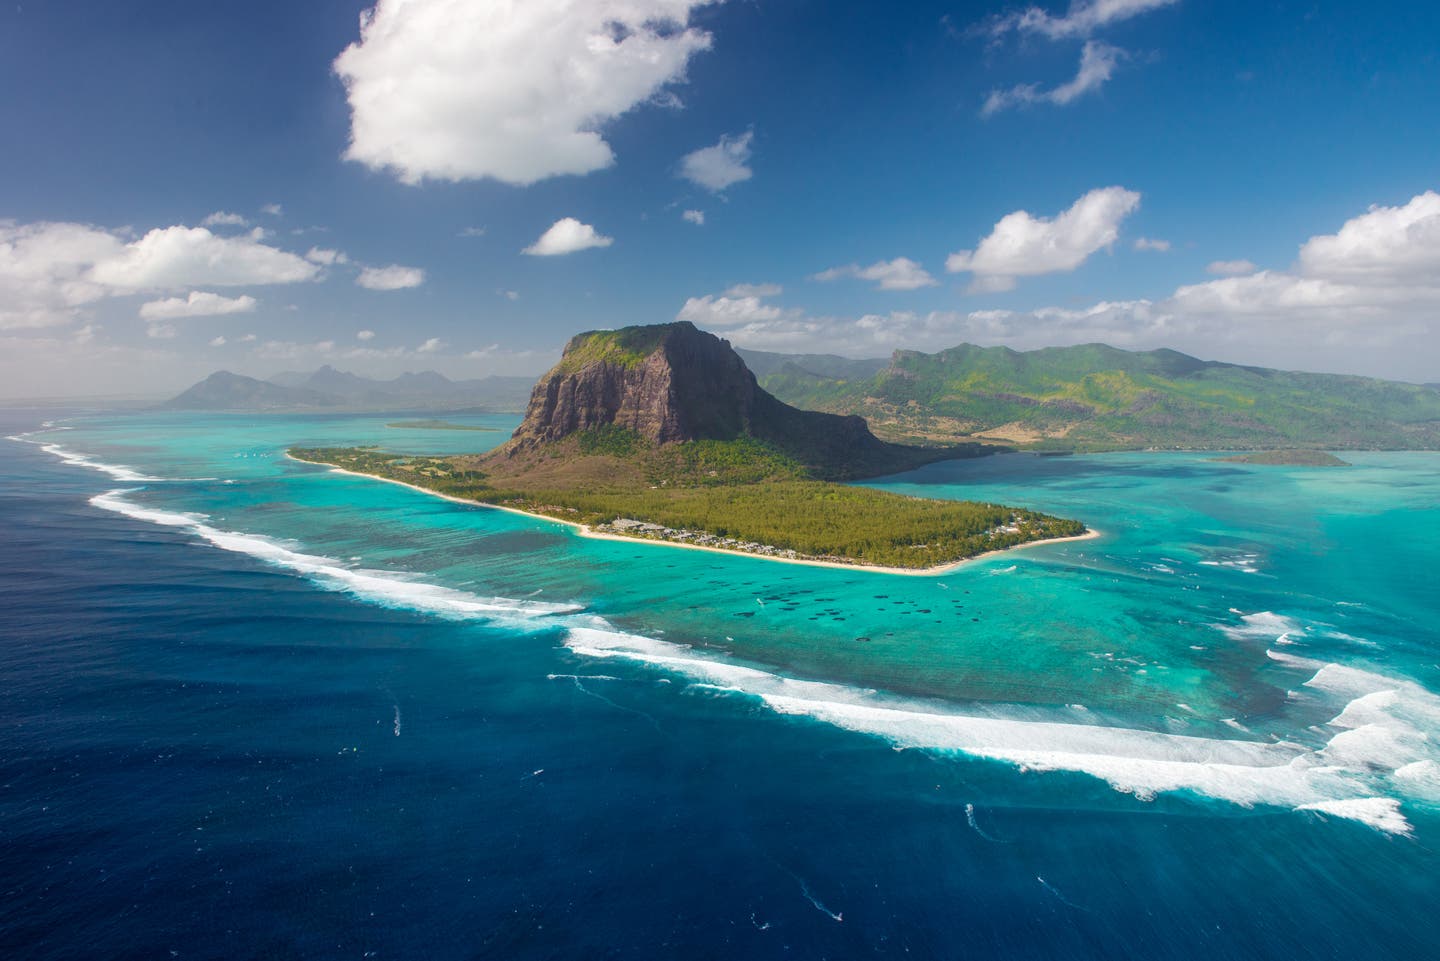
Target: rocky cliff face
x=672, y=383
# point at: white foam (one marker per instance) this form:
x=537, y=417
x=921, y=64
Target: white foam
x=118, y=471
x=1379, y=733
x=390, y=588
x=1380, y=813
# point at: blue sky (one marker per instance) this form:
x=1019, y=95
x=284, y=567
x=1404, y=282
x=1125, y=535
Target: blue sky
x=1245, y=181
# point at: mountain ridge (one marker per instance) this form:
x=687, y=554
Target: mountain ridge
x=330, y=389
x=1094, y=396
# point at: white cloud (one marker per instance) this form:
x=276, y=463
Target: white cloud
x=393, y=277
x=157, y=331
x=325, y=257
x=364, y=335
x=199, y=303
x=1365, y=299
x=566, y=236
x=511, y=295
x=902, y=273
x=1382, y=245
x=1022, y=245
x=456, y=90
x=1097, y=64
x=222, y=219
x=273, y=210
x=432, y=346
x=248, y=339
x=49, y=272
x=1152, y=243
x=173, y=257
x=696, y=217
x=720, y=166
x=218, y=341
x=722, y=311
x=471, y=232
x=1230, y=268
x=754, y=290
x=1082, y=19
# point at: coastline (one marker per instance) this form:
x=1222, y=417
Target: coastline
x=585, y=530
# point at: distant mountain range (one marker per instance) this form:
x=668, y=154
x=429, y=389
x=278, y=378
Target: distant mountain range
x=1095, y=397
x=333, y=389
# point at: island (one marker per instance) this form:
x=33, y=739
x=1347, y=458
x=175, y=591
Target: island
x=1287, y=458
x=662, y=433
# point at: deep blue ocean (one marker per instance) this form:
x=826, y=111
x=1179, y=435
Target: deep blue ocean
x=252, y=708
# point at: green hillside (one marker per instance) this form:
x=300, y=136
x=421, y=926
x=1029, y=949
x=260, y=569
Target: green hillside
x=1098, y=397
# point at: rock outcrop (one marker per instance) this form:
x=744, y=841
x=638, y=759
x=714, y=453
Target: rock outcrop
x=672, y=383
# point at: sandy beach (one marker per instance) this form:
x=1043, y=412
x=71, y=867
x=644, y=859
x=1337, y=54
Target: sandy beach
x=585, y=530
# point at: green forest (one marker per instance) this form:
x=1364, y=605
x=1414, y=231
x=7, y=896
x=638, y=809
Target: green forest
x=1095, y=397
x=728, y=489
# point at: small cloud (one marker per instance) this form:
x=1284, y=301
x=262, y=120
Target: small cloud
x=1023, y=245
x=274, y=210
x=755, y=290
x=1097, y=63
x=86, y=334
x=160, y=331
x=222, y=219
x=566, y=236
x=471, y=232
x=393, y=277
x=200, y=303
x=431, y=346
x=218, y=341
x=364, y=335
x=1230, y=268
x=696, y=217
x=1150, y=243
x=510, y=294
x=902, y=273
x=720, y=166
x=248, y=339
x=325, y=257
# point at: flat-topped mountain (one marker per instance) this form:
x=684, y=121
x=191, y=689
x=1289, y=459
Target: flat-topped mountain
x=1093, y=396
x=672, y=383
x=663, y=433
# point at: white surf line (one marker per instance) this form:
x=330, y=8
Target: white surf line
x=1380, y=742
x=387, y=588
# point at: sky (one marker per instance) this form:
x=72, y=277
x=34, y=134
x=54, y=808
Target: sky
x=462, y=185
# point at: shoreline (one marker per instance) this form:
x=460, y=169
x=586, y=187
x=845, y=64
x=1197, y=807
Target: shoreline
x=585, y=530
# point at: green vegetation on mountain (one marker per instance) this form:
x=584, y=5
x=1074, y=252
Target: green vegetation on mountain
x=1287, y=458
x=1094, y=397
x=662, y=432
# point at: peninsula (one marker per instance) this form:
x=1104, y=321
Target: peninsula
x=662, y=433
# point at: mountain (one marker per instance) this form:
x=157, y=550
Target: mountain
x=330, y=388
x=223, y=390
x=763, y=364
x=1098, y=397
x=673, y=383
x=663, y=433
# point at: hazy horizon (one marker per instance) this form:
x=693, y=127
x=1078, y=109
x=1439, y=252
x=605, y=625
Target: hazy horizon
x=198, y=188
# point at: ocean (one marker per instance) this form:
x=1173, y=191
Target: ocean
x=253, y=708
